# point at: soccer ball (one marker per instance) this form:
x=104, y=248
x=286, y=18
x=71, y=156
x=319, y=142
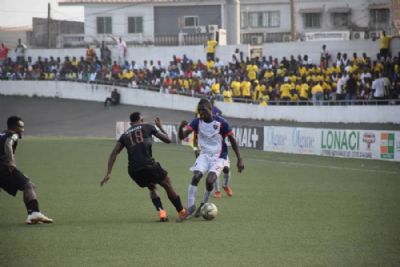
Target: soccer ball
x=209, y=211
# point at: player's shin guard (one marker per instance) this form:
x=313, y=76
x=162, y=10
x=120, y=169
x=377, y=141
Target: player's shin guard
x=192, y=193
x=177, y=203
x=206, y=196
x=157, y=203
x=32, y=206
x=227, y=176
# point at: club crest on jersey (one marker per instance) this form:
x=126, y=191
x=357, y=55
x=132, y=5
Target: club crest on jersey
x=216, y=125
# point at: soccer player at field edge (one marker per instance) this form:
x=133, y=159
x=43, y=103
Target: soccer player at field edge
x=211, y=131
x=12, y=179
x=142, y=167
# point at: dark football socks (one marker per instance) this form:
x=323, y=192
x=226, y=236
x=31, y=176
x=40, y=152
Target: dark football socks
x=177, y=203
x=157, y=203
x=32, y=206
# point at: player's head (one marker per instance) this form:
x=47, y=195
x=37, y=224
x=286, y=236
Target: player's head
x=15, y=124
x=204, y=108
x=136, y=117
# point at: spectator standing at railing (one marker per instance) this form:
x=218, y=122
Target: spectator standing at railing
x=227, y=94
x=90, y=54
x=3, y=53
x=351, y=89
x=317, y=93
x=384, y=45
x=246, y=88
x=303, y=91
x=236, y=88
x=105, y=54
x=20, y=52
x=121, y=49
x=325, y=57
x=211, y=47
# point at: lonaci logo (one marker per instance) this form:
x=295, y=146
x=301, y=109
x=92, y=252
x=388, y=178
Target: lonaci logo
x=387, y=145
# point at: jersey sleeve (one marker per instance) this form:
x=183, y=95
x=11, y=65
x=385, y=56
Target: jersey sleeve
x=153, y=130
x=121, y=139
x=226, y=129
x=194, y=125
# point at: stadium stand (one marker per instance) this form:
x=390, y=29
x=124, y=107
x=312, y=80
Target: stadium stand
x=265, y=81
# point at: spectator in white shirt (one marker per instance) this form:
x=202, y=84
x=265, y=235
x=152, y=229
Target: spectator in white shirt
x=121, y=48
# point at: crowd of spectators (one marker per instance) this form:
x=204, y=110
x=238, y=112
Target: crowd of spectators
x=266, y=80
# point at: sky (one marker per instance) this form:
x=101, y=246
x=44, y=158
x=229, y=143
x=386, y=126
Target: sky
x=15, y=13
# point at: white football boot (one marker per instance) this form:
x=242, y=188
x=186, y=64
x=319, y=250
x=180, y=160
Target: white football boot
x=38, y=217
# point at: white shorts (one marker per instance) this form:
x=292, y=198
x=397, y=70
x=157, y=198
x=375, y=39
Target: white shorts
x=226, y=162
x=207, y=163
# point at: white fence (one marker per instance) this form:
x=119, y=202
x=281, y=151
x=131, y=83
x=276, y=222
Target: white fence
x=96, y=92
x=276, y=50
x=363, y=144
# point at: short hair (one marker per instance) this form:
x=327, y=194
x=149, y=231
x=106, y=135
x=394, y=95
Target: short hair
x=204, y=101
x=135, y=116
x=13, y=121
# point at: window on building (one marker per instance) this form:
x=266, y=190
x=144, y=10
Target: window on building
x=244, y=20
x=379, y=18
x=274, y=19
x=312, y=20
x=255, y=19
x=104, y=25
x=191, y=21
x=135, y=24
x=341, y=19
x=266, y=19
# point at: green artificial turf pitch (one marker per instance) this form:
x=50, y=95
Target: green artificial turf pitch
x=287, y=210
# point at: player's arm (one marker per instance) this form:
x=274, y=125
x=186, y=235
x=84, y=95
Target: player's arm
x=162, y=134
x=182, y=134
x=235, y=147
x=111, y=160
x=8, y=147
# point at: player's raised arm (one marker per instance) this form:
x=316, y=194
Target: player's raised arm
x=235, y=147
x=111, y=160
x=182, y=132
x=162, y=134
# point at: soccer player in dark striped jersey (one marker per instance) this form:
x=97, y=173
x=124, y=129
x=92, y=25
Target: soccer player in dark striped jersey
x=12, y=179
x=142, y=167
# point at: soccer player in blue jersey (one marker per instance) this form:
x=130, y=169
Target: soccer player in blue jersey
x=211, y=131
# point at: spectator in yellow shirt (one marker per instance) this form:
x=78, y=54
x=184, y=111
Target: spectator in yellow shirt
x=264, y=100
x=211, y=46
x=385, y=43
x=227, y=94
x=252, y=70
x=236, y=88
x=304, y=91
x=210, y=64
x=285, y=91
x=317, y=93
x=246, y=89
x=216, y=89
x=259, y=90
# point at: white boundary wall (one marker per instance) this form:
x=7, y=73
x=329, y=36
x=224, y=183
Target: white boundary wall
x=369, y=144
x=95, y=92
x=363, y=144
